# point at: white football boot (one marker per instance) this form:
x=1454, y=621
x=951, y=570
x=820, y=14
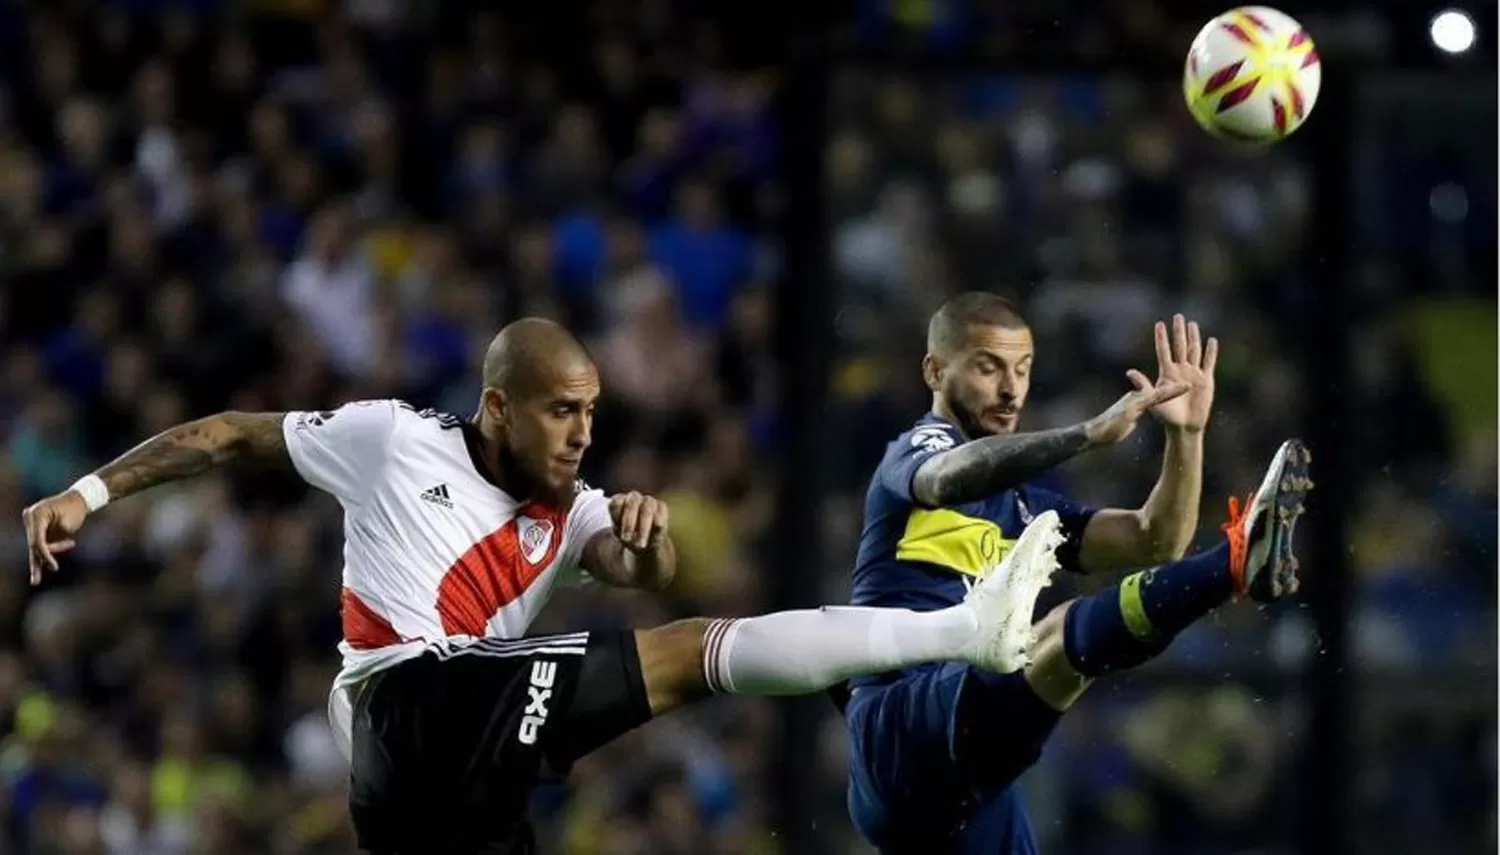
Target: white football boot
x=1004, y=600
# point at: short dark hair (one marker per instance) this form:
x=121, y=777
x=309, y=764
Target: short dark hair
x=948, y=330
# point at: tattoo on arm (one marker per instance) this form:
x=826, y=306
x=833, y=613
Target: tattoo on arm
x=195, y=447
x=987, y=466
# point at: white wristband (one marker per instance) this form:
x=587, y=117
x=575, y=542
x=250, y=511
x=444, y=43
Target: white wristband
x=91, y=488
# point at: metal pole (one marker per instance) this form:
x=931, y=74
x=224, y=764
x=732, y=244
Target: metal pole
x=804, y=328
x=1326, y=772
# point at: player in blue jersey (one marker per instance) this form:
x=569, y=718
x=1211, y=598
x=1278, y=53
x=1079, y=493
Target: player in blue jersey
x=935, y=749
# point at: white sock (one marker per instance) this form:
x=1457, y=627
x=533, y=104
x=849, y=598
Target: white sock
x=801, y=652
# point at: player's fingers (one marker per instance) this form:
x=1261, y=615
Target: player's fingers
x=36, y=539
x=1163, y=349
x=653, y=522
x=1141, y=382
x=625, y=506
x=1211, y=356
x=643, y=523
x=1194, y=344
x=630, y=516
x=1134, y=405
x=1167, y=391
x=1179, y=338
x=60, y=546
x=41, y=560
x=33, y=570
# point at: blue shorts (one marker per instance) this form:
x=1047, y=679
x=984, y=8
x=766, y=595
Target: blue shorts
x=934, y=754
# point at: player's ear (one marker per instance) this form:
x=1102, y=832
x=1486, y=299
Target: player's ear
x=494, y=404
x=932, y=372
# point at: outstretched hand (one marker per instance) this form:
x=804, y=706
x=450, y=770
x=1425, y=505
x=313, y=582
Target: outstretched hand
x=1183, y=357
x=1119, y=421
x=50, y=525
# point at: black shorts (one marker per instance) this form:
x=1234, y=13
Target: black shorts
x=448, y=746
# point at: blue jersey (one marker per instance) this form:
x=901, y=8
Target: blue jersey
x=917, y=778
x=919, y=558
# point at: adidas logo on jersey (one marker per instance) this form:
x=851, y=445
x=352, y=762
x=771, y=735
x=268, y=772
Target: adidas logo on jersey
x=438, y=496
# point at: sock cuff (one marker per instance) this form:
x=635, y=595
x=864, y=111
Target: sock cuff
x=1133, y=607
x=716, y=642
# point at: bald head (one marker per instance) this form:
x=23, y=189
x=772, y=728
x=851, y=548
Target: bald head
x=530, y=355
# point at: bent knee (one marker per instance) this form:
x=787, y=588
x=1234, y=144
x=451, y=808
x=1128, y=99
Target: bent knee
x=672, y=663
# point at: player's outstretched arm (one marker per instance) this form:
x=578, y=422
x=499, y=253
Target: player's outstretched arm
x=180, y=452
x=195, y=447
x=990, y=465
x=637, y=552
x=1161, y=529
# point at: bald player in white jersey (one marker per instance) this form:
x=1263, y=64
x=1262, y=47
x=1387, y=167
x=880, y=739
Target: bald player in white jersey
x=456, y=531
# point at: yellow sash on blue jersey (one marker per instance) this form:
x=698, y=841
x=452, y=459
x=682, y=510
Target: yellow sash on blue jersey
x=947, y=538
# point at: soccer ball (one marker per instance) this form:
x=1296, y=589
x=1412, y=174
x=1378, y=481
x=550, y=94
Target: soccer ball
x=1252, y=75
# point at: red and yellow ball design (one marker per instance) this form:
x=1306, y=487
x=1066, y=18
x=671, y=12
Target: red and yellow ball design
x=1252, y=75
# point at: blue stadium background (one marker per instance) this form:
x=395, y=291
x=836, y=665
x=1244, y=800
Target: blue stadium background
x=291, y=203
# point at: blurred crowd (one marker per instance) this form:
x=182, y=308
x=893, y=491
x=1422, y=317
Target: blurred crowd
x=273, y=212
x=309, y=202
x=1101, y=208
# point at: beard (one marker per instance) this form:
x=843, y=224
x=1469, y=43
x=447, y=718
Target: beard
x=967, y=416
x=530, y=485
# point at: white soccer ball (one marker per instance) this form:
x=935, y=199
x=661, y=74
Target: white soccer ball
x=1252, y=75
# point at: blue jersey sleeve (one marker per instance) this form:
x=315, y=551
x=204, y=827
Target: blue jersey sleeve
x=1075, y=518
x=907, y=454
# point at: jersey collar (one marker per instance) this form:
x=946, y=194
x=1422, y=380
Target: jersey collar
x=934, y=419
x=474, y=444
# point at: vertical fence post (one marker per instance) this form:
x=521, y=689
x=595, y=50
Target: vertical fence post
x=804, y=333
x=1326, y=772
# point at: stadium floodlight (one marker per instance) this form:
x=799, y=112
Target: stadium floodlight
x=1452, y=31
